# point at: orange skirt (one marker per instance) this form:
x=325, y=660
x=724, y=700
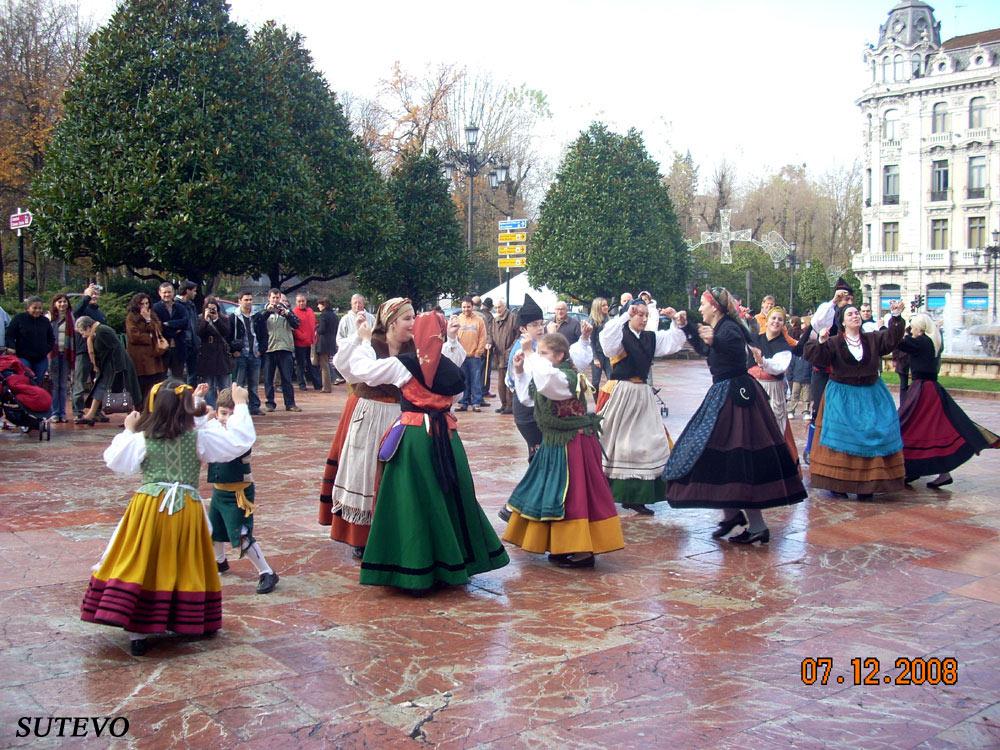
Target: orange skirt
x=842, y=472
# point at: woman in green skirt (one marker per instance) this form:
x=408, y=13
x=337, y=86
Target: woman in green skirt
x=427, y=527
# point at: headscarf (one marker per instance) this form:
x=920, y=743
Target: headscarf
x=429, y=333
x=720, y=298
x=389, y=311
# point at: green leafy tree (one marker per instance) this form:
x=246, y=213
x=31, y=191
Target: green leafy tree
x=764, y=277
x=337, y=210
x=814, y=286
x=607, y=224
x=427, y=255
x=165, y=158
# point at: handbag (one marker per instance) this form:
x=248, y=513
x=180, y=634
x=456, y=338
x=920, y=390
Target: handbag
x=118, y=402
x=161, y=344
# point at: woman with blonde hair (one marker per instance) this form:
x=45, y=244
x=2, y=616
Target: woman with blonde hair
x=598, y=317
x=347, y=493
x=937, y=435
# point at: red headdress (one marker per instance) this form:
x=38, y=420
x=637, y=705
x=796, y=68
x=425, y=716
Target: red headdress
x=429, y=333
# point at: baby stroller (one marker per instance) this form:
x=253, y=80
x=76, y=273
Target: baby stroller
x=23, y=405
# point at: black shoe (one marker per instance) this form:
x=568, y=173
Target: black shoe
x=270, y=407
x=139, y=647
x=910, y=480
x=762, y=537
x=642, y=510
x=726, y=527
x=103, y=419
x=266, y=583
x=358, y=553
x=866, y=496
x=504, y=514
x=222, y=566
x=258, y=413
x=935, y=485
x=838, y=494
x=569, y=561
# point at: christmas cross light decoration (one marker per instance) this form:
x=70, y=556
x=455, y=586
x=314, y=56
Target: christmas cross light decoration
x=775, y=246
x=725, y=237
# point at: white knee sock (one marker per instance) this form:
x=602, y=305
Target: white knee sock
x=257, y=559
x=220, y=551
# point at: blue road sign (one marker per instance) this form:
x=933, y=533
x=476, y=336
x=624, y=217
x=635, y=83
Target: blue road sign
x=511, y=224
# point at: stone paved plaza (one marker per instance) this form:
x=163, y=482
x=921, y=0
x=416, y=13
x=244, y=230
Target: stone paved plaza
x=675, y=642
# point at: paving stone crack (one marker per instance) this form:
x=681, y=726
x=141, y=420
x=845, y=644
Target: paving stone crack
x=417, y=733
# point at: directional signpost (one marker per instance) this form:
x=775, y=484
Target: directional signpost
x=511, y=248
x=20, y=220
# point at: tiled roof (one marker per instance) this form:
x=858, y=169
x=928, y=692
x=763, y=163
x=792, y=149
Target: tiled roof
x=971, y=40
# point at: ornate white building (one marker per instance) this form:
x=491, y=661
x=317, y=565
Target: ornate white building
x=932, y=165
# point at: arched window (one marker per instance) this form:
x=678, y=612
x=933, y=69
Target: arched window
x=898, y=71
x=977, y=112
x=889, y=125
x=915, y=64
x=939, y=118
x=886, y=69
x=874, y=71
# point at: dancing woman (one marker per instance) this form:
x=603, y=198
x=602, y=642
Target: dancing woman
x=937, y=435
x=857, y=446
x=771, y=356
x=347, y=494
x=731, y=455
x=636, y=444
x=427, y=528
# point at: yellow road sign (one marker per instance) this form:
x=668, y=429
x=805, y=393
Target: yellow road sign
x=512, y=237
x=512, y=249
x=518, y=262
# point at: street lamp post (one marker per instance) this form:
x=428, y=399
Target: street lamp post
x=993, y=258
x=468, y=162
x=497, y=177
x=792, y=260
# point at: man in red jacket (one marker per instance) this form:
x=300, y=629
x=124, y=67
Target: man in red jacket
x=305, y=337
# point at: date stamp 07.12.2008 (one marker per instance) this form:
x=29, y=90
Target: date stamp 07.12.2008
x=821, y=670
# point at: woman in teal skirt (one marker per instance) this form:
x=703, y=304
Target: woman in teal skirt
x=427, y=527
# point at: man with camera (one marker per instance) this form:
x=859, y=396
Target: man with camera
x=274, y=326
x=247, y=349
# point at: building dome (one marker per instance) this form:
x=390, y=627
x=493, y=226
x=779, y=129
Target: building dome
x=910, y=24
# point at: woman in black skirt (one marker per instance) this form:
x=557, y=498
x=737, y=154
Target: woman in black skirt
x=731, y=455
x=937, y=435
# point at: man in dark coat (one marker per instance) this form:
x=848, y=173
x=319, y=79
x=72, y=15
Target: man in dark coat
x=114, y=370
x=83, y=368
x=176, y=324
x=504, y=333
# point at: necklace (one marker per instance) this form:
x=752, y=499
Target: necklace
x=856, y=341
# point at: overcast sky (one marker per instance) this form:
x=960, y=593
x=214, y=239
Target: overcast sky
x=762, y=83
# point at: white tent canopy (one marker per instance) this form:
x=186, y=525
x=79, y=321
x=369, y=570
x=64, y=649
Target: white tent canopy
x=519, y=286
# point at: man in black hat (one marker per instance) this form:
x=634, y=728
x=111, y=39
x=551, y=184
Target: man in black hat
x=531, y=324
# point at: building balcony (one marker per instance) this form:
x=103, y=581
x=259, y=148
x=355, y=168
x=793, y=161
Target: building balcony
x=869, y=261
x=890, y=200
x=937, y=196
x=978, y=134
x=974, y=194
x=939, y=139
x=937, y=259
x=891, y=144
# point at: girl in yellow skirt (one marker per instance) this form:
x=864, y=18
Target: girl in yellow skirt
x=158, y=572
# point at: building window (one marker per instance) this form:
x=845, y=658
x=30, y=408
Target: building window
x=888, y=293
x=977, y=112
x=889, y=122
x=915, y=64
x=886, y=70
x=939, y=234
x=939, y=118
x=977, y=177
x=874, y=71
x=868, y=188
x=939, y=180
x=898, y=71
x=890, y=184
x=977, y=232
x=868, y=236
x=890, y=237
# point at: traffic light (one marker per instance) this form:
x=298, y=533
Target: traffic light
x=917, y=303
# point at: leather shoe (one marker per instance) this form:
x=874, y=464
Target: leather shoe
x=725, y=527
x=84, y=420
x=266, y=583
x=292, y=408
x=504, y=514
x=571, y=561
x=222, y=566
x=476, y=409
x=139, y=646
x=642, y=510
x=358, y=553
x=934, y=485
x=462, y=407
x=761, y=537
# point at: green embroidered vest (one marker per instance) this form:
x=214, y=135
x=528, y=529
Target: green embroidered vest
x=230, y=471
x=172, y=460
x=560, y=421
